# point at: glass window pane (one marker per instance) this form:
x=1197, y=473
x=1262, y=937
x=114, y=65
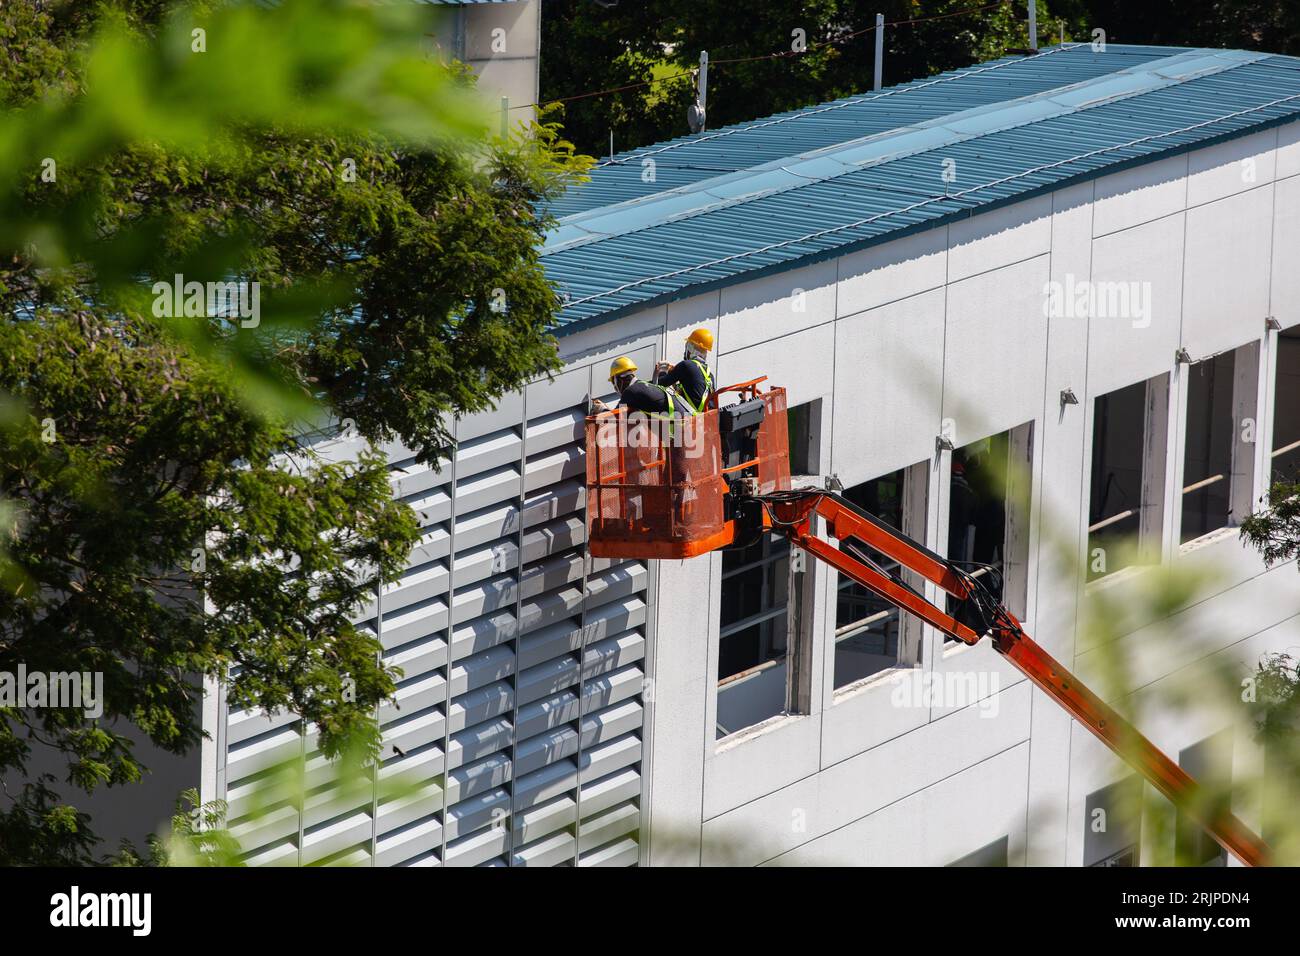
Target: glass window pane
x=1115, y=502
x=1207, y=460
x=1286, y=408
x=866, y=627
x=752, y=650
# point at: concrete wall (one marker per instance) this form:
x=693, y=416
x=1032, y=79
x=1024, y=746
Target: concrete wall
x=945, y=331
x=500, y=41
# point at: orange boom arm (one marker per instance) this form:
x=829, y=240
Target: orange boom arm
x=791, y=514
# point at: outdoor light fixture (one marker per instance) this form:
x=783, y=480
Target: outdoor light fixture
x=1183, y=357
x=1068, y=397
x=1272, y=324
x=697, y=112
x=943, y=444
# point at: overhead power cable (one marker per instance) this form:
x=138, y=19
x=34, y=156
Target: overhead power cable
x=778, y=55
x=840, y=104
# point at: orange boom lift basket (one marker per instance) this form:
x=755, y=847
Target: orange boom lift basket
x=656, y=487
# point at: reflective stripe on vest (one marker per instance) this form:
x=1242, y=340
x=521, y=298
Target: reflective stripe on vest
x=708, y=389
x=665, y=416
x=669, y=396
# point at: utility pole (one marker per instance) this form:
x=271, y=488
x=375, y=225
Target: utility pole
x=878, y=74
x=1033, y=24
x=696, y=114
x=702, y=94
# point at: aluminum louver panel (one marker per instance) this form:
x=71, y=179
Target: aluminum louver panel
x=523, y=673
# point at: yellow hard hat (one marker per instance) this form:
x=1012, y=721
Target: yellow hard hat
x=621, y=366
x=702, y=338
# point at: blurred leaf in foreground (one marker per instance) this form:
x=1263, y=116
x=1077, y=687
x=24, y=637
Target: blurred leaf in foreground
x=222, y=223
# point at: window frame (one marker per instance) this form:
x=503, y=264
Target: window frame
x=810, y=453
x=1291, y=448
x=770, y=561
x=1243, y=403
x=797, y=655
x=1209, y=761
x=1015, y=548
x=913, y=508
x=1150, y=507
x=1122, y=803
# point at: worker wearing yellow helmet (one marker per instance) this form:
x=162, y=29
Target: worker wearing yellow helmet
x=636, y=395
x=690, y=377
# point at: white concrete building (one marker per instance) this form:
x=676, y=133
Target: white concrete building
x=933, y=272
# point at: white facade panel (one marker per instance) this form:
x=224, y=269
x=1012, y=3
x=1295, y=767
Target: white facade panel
x=994, y=342
x=1227, y=274
x=883, y=420
x=1232, y=167
x=892, y=271
x=1144, y=263
x=774, y=306
x=1284, y=261
x=1140, y=194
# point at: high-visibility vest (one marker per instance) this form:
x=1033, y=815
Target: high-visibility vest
x=708, y=389
x=669, y=396
x=668, y=415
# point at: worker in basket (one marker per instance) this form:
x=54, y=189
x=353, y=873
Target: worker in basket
x=654, y=402
x=690, y=377
x=637, y=396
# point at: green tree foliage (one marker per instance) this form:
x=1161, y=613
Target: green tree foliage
x=1275, y=530
x=1264, y=25
x=159, y=519
x=1277, y=731
x=590, y=46
x=198, y=837
x=1278, y=677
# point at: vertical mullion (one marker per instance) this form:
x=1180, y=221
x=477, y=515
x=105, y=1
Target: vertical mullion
x=458, y=39
x=446, y=667
x=379, y=759
x=582, y=681
x=519, y=607
x=221, y=785
x=1211, y=367
x=300, y=792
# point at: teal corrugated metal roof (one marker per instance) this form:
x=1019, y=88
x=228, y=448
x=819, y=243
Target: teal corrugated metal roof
x=777, y=193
